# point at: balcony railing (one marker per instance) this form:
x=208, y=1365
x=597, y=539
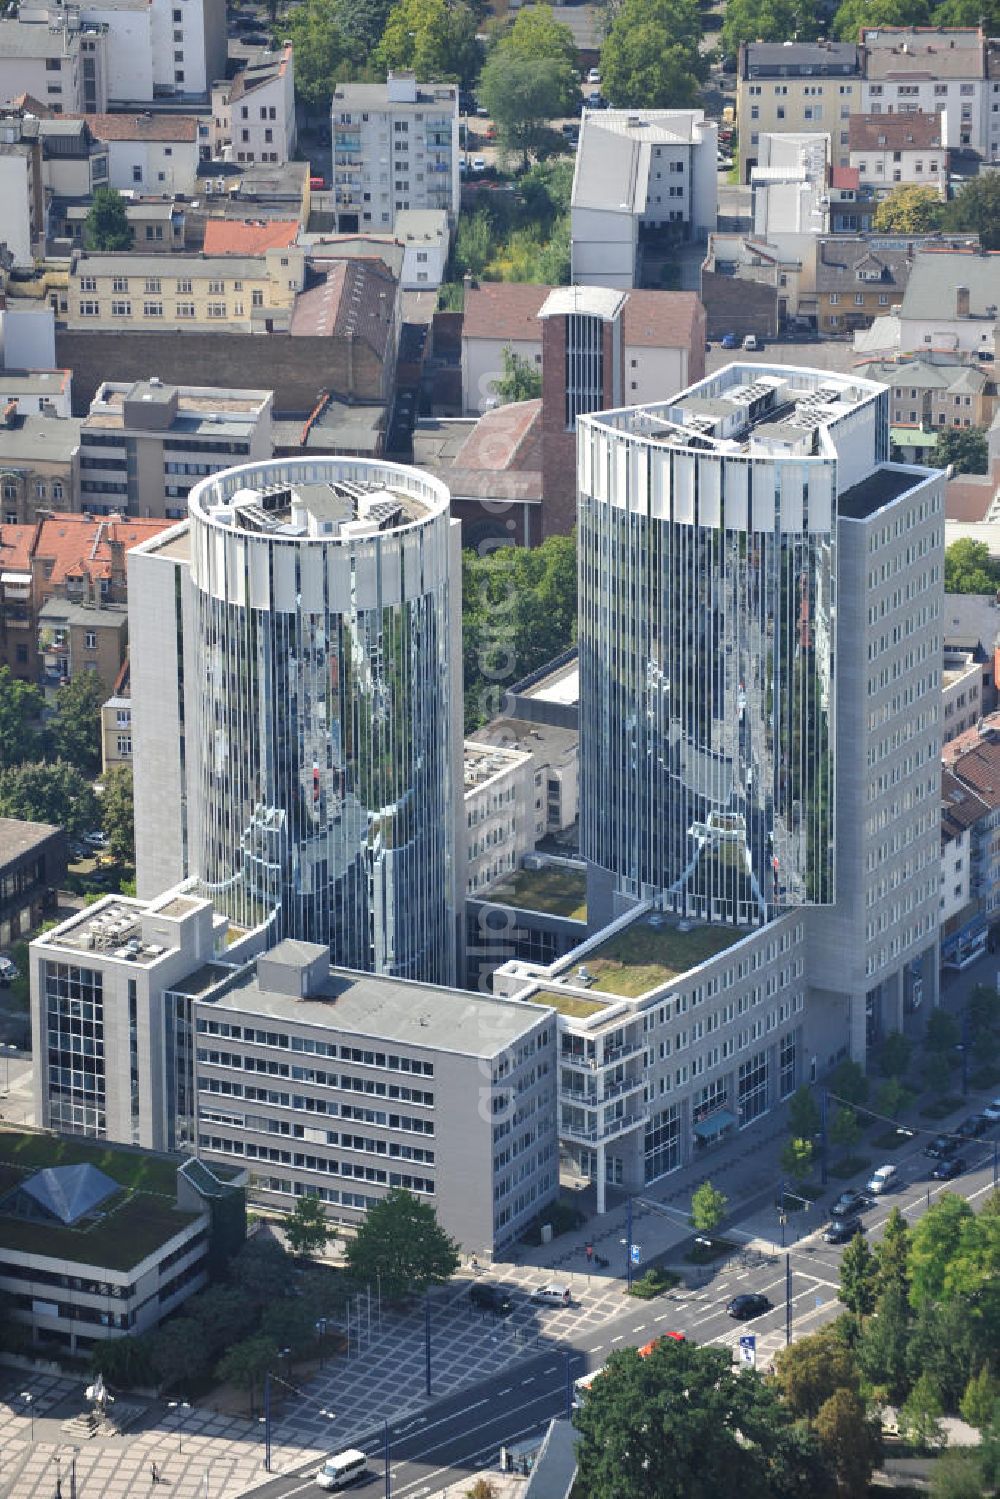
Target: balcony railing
x=605, y=1132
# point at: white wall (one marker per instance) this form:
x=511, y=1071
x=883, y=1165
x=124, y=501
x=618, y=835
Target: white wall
x=165, y=166
x=482, y=363
x=28, y=75
x=277, y=95
x=928, y=100
x=658, y=374
x=705, y=175
x=129, y=54
x=955, y=865
x=423, y=264
x=15, y=198
x=604, y=247
x=28, y=339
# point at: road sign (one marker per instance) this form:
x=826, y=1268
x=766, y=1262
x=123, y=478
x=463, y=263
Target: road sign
x=748, y=1350
x=636, y=1253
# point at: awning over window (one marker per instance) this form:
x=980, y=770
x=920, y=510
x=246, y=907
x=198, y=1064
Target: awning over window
x=714, y=1125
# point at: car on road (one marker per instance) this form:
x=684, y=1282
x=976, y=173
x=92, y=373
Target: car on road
x=750, y=1304
x=650, y=1347
x=341, y=1469
x=842, y=1230
x=948, y=1168
x=752, y=342
x=594, y=76
x=992, y=1111
x=478, y=164
x=972, y=1127
x=9, y=971
x=490, y=1299
x=941, y=1145
x=553, y=1294
x=849, y=1204
x=882, y=1180
x=728, y=341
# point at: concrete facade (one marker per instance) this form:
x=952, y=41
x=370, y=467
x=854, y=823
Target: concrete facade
x=796, y=87
x=253, y=114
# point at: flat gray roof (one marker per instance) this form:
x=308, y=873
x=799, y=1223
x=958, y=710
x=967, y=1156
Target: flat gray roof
x=545, y=740
x=931, y=290
x=51, y=439
x=878, y=489
x=17, y=837
x=68, y=612
x=198, y=267
x=394, y=1011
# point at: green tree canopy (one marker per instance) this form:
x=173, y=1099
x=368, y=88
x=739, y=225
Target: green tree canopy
x=401, y=1242
x=797, y=1159
x=262, y=1271
x=975, y=208
x=436, y=38
x=49, y=792
x=965, y=448
x=307, y=1228
x=943, y=1033
x=934, y=1242
x=848, y=1081
x=908, y=209
x=957, y=1475
x=75, y=726
x=178, y=1353
x=981, y=1401
x=522, y=95
x=892, y=1256
x=536, y=35
x=936, y=1072
x=882, y=1346
x=803, y=1113
x=766, y=21
x=858, y=1268
x=921, y=1412
x=246, y=1363
x=651, y=56
x=327, y=49
x=118, y=813
x=889, y=1099
x=106, y=226
x=520, y=381
x=708, y=1207
x=812, y=1369
x=850, y=1440
x=896, y=1053
x=845, y=1130
x=21, y=706
x=853, y=14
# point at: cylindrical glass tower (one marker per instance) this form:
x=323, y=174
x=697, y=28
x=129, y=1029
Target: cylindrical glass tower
x=707, y=570
x=323, y=705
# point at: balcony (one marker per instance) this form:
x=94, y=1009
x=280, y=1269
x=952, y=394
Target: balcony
x=590, y=1098
x=607, y=1132
x=615, y=1053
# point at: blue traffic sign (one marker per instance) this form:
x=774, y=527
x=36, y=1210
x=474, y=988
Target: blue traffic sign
x=636, y=1253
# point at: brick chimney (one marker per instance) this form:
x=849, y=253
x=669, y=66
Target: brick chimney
x=118, y=587
x=961, y=301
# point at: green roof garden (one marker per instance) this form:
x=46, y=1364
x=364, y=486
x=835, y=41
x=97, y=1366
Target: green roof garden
x=642, y=957
x=553, y=891
x=570, y=1005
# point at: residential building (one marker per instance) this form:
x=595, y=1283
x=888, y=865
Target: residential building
x=39, y=464
x=790, y=187
x=37, y=392
x=84, y=1257
x=144, y=446
x=930, y=70
x=249, y=236
x=963, y=931
x=116, y=723
x=935, y=392
x=395, y=147
x=32, y=867
x=638, y=172
x=347, y=572
x=796, y=87
x=992, y=103
x=238, y=294
x=21, y=190
x=18, y=642
x=253, y=114
x=950, y=303
x=156, y=50
x=62, y=62
x=961, y=693
x=74, y=165
x=972, y=626
x=425, y=235
x=499, y=812
x=902, y=150
x=748, y=286
x=149, y=153
x=458, y=1089
x=855, y=283
x=971, y=798
x=75, y=637
x=492, y=465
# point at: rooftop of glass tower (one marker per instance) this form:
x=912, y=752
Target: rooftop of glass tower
x=341, y=509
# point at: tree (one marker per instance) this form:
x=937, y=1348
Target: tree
x=803, y=1114
x=106, y=226
x=957, y=1475
x=943, y=1033
x=810, y=1370
x=797, y=1159
x=118, y=813
x=306, y=1228
x=262, y=1271
x=983, y=1008
x=934, y=1241
x=848, y=1082
x=179, y=1355
x=936, y=1072
x=708, y=1208
x=857, y=1277
x=896, y=1053
x=21, y=705
x=326, y=50
x=246, y=1363
x=402, y=1243
x=882, y=1346
x=975, y=208
x=981, y=1401
x=909, y=210
x=964, y=448
x=520, y=380
x=435, y=38
x=650, y=56
x=766, y=21
x=853, y=14
x=890, y=1097
x=75, y=726
x=892, y=1256
x=522, y=95
x=845, y=1130
x=125, y=1362
x=850, y=1440
x=921, y=1412
x=42, y=792
x=680, y=1423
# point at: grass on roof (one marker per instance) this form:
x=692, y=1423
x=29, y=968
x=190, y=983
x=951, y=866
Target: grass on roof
x=130, y=1168
x=569, y=1005
x=642, y=957
x=128, y=1227
x=556, y=892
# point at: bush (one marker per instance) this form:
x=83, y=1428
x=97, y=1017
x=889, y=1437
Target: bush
x=655, y=1281
x=708, y=1251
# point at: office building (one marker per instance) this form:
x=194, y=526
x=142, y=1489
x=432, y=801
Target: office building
x=796, y=87
x=297, y=707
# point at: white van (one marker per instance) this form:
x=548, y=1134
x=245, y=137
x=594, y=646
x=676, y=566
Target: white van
x=342, y=1468
x=554, y=1294
x=881, y=1180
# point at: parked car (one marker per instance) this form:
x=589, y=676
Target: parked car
x=842, y=1230
x=849, y=1204
x=553, y=1294
x=751, y=341
x=341, y=1469
x=597, y=101
x=490, y=1298
x=478, y=164
x=750, y=1304
x=9, y=971
x=941, y=1145
x=882, y=1180
x=992, y=1111
x=972, y=1127
x=724, y=163
x=948, y=1168
x=728, y=341
x=96, y=839
x=594, y=76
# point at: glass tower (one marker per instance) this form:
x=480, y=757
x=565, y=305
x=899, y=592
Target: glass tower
x=707, y=624
x=319, y=706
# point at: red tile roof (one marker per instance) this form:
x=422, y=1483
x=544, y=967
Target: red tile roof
x=15, y=548
x=904, y=132
x=979, y=768
x=249, y=236
x=141, y=127
x=845, y=179
x=663, y=319
x=652, y=319
x=80, y=545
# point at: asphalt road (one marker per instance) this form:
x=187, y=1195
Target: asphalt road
x=455, y=1438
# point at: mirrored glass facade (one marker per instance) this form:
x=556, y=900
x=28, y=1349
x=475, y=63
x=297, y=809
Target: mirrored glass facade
x=319, y=756
x=707, y=625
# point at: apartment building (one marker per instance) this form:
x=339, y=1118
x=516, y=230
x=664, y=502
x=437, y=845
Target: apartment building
x=21, y=187
x=395, y=147
x=963, y=932
x=18, y=641
x=903, y=150
x=149, y=153
x=970, y=792
x=961, y=693
x=116, y=723
x=62, y=62
x=798, y=87
x=233, y=294
x=37, y=392
x=929, y=70
x=950, y=304
x=74, y=161
x=143, y=446
x=856, y=283
x=77, y=636
x=639, y=170
x=39, y=464
x=931, y=394
x=253, y=114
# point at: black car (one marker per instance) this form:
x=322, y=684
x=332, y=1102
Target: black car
x=973, y=1127
x=948, y=1167
x=842, y=1230
x=849, y=1204
x=940, y=1146
x=751, y=1304
x=490, y=1299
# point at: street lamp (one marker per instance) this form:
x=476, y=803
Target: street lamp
x=29, y=1405
x=182, y=1407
